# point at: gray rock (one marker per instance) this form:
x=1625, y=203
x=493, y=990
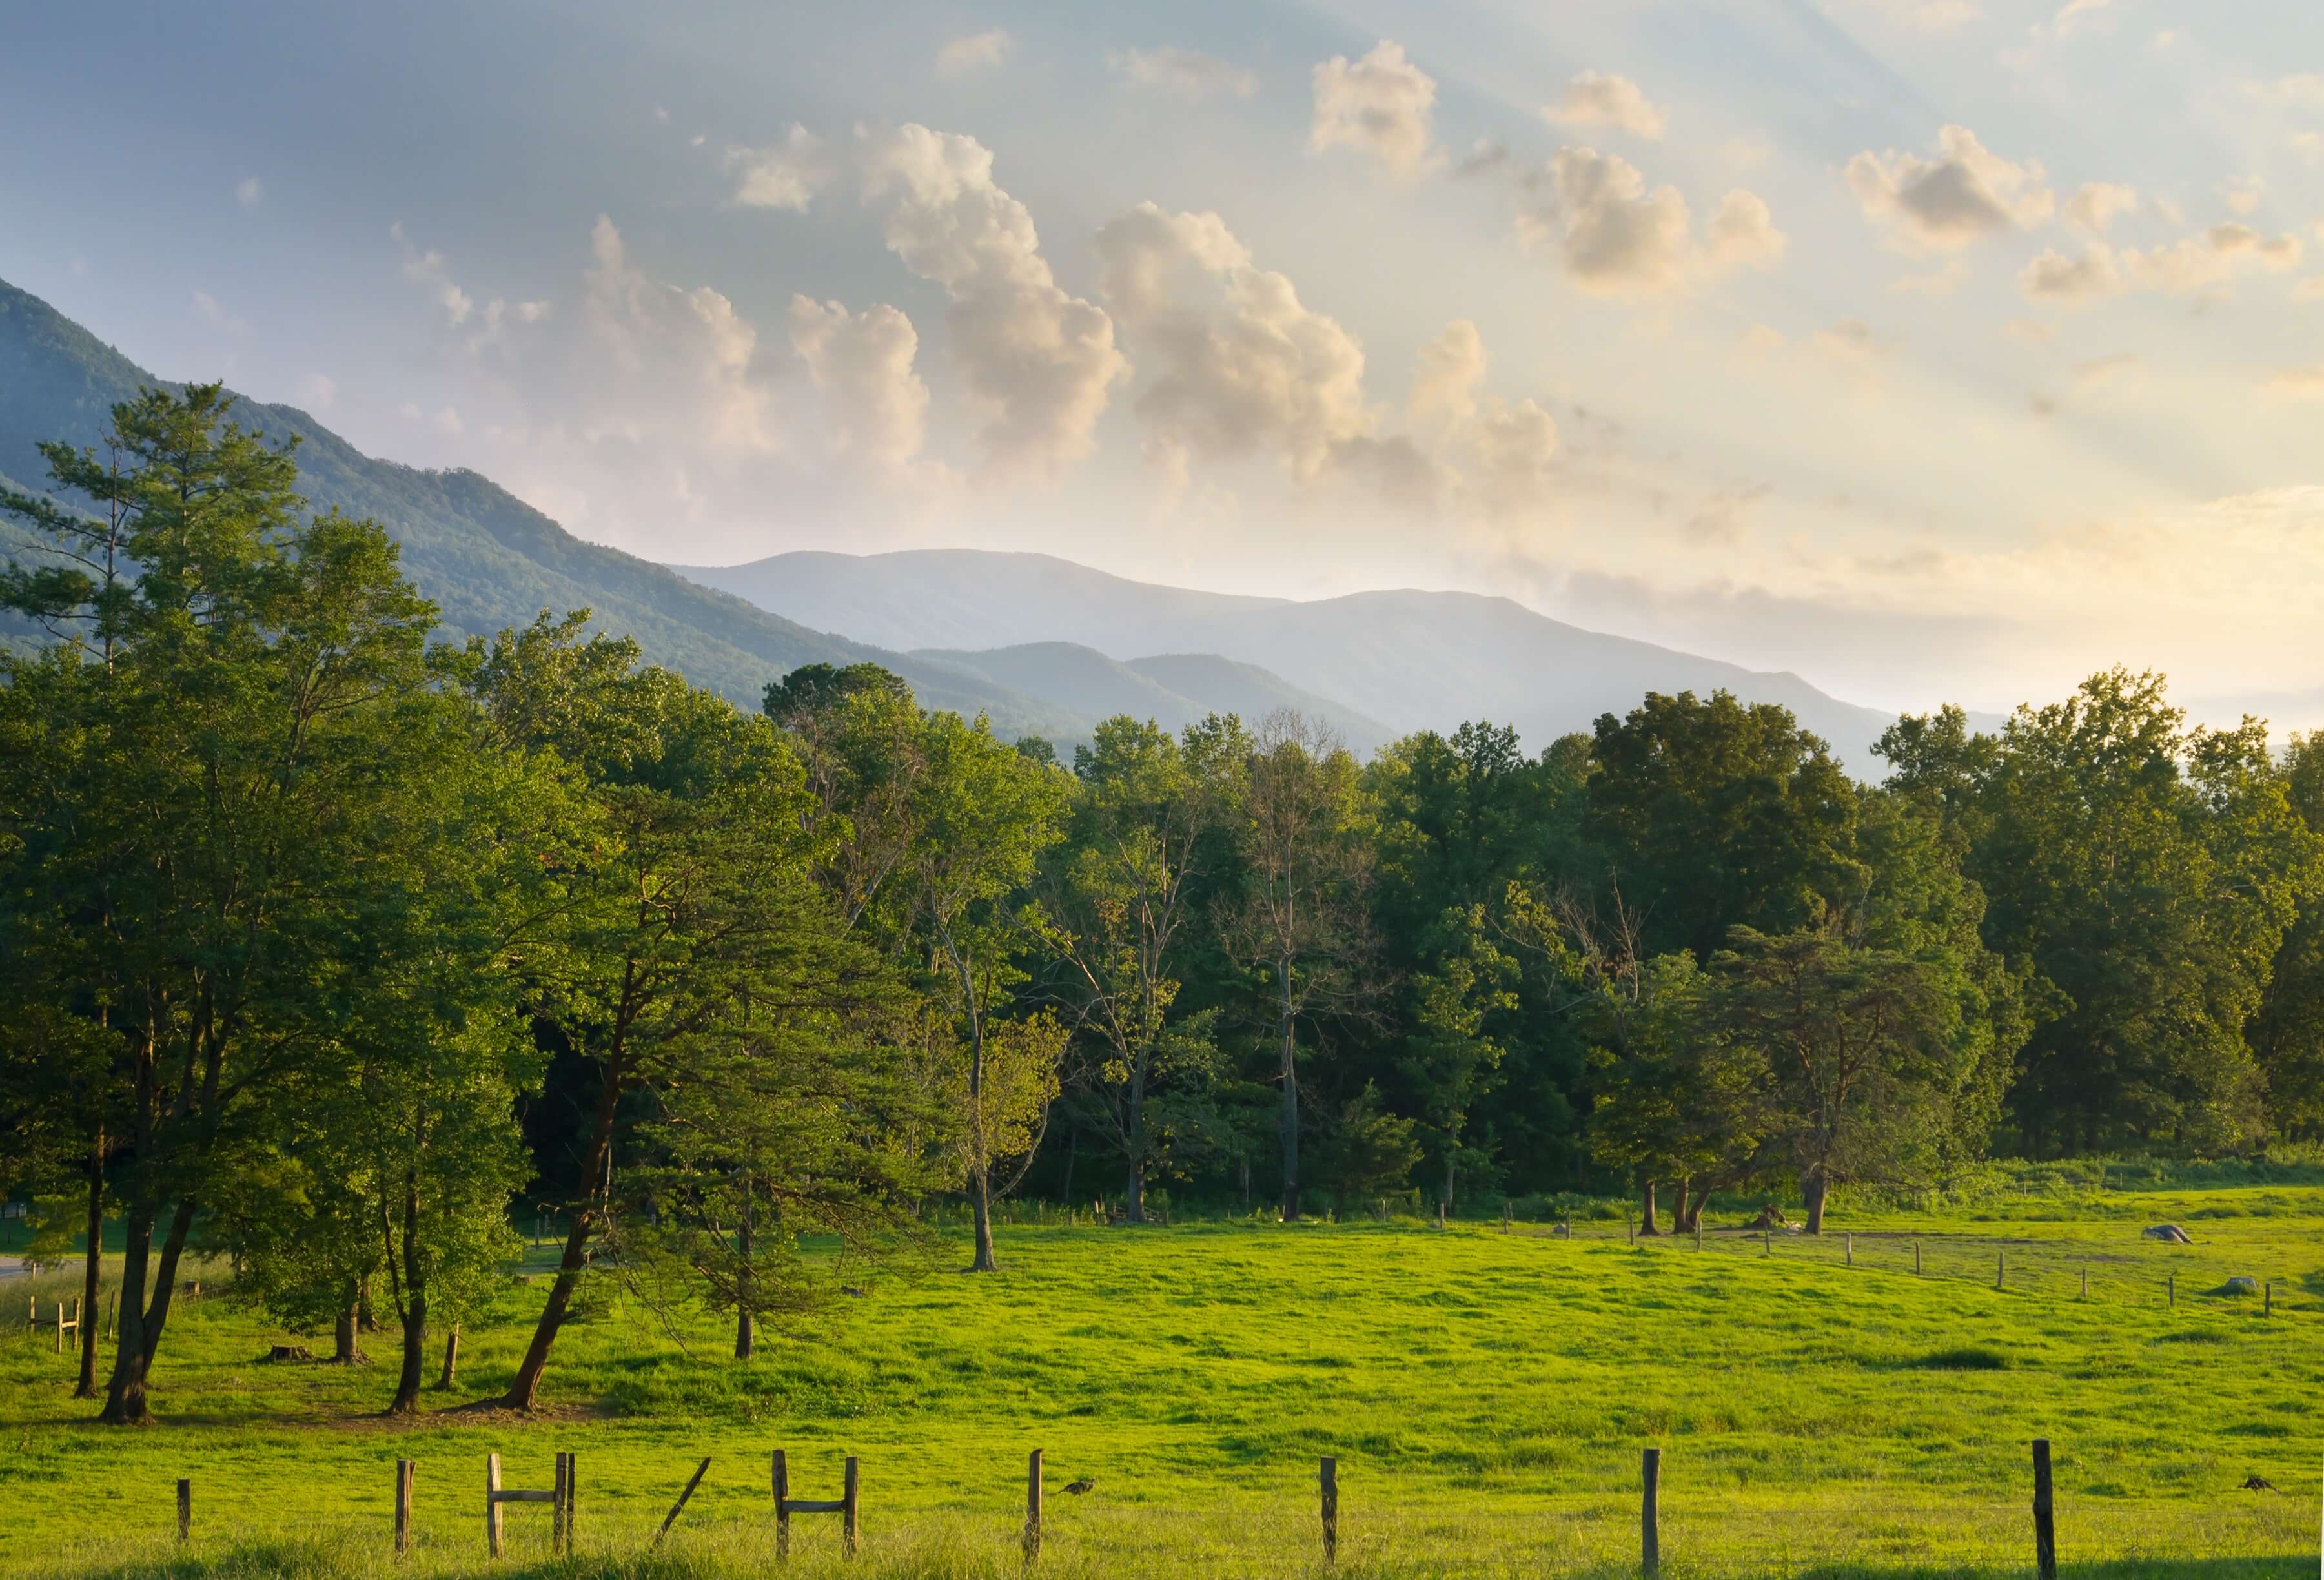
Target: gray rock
x=2171, y=1231
x=2239, y=1286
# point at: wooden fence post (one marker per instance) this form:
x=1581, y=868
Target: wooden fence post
x=848, y=1511
x=2045, y=1534
x=1330, y=1493
x=782, y=1480
x=679, y=1508
x=1440, y=1215
x=1650, y=1541
x=403, y=1468
x=1767, y=1239
x=1698, y=1228
x=1033, y=1506
x=185, y=1509
x=492, y=1505
x=2171, y=1289
x=560, y=1508
x=1850, y=1238
x=2000, y=1268
x=1916, y=1259
x=2086, y=1283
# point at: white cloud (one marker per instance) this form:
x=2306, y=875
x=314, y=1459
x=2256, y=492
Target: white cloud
x=317, y=392
x=2299, y=383
x=975, y=52
x=2076, y=14
x=1451, y=367
x=674, y=361
x=249, y=193
x=787, y=176
x=2200, y=263
x=1513, y=454
x=2097, y=204
x=1966, y=193
x=1849, y=340
x=2106, y=370
x=1929, y=15
x=2244, y=195
x=1189, y=74
x=448, y=422
x=429, y=270
x=1613, y=236
x=2303, y=90
x=215, y=315
x=862, y=363
x=1382, y=105
x=1242, y=364
x=1041, y=361
x=1593, y=99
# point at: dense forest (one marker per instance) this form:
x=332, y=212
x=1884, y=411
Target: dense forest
x=326, y=944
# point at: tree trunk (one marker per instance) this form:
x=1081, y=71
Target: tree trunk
x=1814, y=1184
x=746, y=1327
x=1680, y=1222
x=92, y=1265
x=451, y=1360
x=1646, y=1224
x=980, y=1203
x=1073, y=1156
x=1134, y=1205
x=1449, y=1167
x=524, y=1388
x=1286, y=1028
x=125, y=1393
x=415, y=1307
x=344, y=1352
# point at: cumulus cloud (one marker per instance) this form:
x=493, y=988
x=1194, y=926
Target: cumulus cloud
x=1451, y=367
x=1242, y=364
x=975, y=52
x=1966, y=193
x=786, y=176
x=2097, y=204
x=1041, y=360
x=1613, y=236
x=1187, y=74
x=1512, y=451
x=1595, y=99
x=686, y=360
x=2299, y=383
x=1381, y=105
x=2244, y=196
x=2302, y=90
x=862, y=364
x=2208, y=260
x=249, y=193
x=430, y=271
x=317, y=391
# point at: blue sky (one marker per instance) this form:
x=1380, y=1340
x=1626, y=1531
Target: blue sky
x=1933, y=348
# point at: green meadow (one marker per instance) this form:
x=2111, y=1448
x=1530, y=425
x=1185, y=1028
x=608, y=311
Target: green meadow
x=1486, y=1392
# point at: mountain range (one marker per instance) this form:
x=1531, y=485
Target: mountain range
x=1040, y=644
x=1408, y=658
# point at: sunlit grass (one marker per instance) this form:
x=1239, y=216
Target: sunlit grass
x=1486, y=1395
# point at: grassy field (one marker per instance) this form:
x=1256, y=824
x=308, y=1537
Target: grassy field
x=1486, y=1392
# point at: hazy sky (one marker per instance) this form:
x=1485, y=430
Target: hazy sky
x=1933, y=348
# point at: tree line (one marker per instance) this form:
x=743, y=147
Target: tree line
x=324, y=944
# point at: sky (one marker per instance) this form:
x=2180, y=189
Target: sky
x=1933, y=350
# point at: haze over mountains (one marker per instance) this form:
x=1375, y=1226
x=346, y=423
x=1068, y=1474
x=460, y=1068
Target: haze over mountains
x=1409, y=660
x=1041, y=644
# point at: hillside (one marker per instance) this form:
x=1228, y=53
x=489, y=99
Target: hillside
x=1174, y=690
x=1411, y=660
x=487, y=559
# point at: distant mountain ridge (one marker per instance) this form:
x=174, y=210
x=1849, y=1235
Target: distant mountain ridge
x=488, y=560
x=1409, y=659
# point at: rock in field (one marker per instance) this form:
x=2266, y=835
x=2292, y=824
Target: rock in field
x=2171, y=1231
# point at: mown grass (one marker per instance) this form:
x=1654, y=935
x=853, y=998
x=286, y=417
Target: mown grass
x=1486, y=1394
